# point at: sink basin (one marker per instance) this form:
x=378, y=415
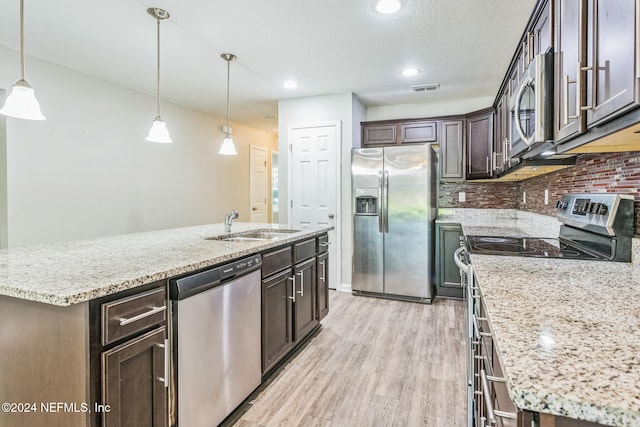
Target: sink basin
x=255, y=235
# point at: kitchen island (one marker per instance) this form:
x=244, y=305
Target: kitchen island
x=566, y=332
x=61, y=349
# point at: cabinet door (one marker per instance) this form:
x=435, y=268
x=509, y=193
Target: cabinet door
x=304, y=307
x=418, y=132
x=323, y=285
x=277, y=322
x=570, y=33
x=541, y=33
x=451, y=150
x=378, y=134
x=447, y=273
x=479, y=146
x=611, y=56
x=133, y=382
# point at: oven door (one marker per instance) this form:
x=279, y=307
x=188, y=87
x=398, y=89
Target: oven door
x=531, y=107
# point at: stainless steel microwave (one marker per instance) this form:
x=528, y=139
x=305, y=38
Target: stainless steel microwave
x=531, y=107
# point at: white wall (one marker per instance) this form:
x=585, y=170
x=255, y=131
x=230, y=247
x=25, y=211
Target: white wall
x=347, y=109
x=433, y=109
x=87, y=171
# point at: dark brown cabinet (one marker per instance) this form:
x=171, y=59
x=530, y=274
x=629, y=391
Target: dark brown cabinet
x=133, y=382
x=451, y=150
x=295, y=296
x=323, y=285
x=447, y=273
x=398, y=132
x=568, y=120
x=304, y=301
x=480, y=145
x=595, y=71
x=277, y=323
x=129, y=358
x=610, y=66
x=383, y=134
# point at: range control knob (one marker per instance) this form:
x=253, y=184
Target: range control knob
x=561, y=204
x=602, y=209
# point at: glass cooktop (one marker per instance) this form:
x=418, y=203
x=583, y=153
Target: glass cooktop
x=525, y=247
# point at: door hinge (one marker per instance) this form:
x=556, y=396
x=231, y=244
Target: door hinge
x=291, y=204
x=265, y=163
x=291, y=148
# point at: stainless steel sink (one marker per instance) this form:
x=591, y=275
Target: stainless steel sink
x=255, y=235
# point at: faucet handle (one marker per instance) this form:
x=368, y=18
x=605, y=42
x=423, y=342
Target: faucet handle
x=234, y=214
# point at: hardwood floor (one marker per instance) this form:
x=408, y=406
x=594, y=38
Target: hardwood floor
x=375, y=362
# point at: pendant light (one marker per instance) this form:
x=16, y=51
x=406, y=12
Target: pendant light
x=21, y=102
x=228, y=148
x=158, y=131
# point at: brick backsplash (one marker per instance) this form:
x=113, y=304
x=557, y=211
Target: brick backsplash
x=593, y=173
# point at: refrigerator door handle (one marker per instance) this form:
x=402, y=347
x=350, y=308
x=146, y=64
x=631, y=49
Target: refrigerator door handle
x=381, y=210
x=386, y=201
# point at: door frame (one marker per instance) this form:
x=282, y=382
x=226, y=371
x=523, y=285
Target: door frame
x=267, y=173
x=337, y=124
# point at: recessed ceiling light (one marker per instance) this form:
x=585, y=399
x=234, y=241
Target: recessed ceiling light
x=408, y=72
x=290, y=84
x=388, y=7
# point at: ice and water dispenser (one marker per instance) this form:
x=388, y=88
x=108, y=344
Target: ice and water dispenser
x=367, y=202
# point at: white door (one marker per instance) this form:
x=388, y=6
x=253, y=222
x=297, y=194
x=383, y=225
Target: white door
x=258, y=183
x=314, y=183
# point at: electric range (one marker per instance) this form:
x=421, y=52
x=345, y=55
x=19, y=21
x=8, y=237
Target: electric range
x=594, y=227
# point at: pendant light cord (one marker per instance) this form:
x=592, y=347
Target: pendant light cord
x=158, y=71
x=22, y=38
x=228, y=104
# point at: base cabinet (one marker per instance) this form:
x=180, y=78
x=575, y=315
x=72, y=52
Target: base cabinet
x=295, y=297
x=447, y=272
x=133, y=382
x=323, y=285
x=277, y=324
x=304, y=302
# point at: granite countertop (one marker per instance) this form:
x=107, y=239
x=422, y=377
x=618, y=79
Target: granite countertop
x=567, y=331
x=73, y=272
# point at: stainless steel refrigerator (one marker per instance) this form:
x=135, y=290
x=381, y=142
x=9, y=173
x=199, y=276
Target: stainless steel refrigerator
x=394, y=193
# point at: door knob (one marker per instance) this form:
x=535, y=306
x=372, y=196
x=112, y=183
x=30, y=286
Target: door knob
x=254, y=208
x=331, y=216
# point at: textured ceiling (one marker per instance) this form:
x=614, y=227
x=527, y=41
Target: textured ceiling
x=328, y=46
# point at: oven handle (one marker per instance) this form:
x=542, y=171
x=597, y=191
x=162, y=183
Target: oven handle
x=456, y=258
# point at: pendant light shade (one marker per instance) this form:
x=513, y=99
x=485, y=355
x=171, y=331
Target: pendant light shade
x=228, y=148
x=158, y=131
x=21, y=102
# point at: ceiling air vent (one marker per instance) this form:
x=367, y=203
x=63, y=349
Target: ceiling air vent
x=425, y=88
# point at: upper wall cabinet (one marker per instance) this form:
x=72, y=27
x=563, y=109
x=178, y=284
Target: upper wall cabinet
x=451, y=150
x=596, y=63
x=480, y=145
x=399, y=132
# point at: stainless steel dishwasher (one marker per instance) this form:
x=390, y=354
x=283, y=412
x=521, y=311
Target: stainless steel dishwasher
x=215, y=342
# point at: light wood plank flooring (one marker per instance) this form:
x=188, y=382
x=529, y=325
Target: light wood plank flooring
x=375, y=362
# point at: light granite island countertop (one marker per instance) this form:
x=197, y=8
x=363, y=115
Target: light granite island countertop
x=77, y=271
x=567, y=331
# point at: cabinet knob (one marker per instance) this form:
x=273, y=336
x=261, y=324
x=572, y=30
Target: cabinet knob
x=331, y=215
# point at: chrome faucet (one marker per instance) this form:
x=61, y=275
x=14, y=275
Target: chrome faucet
x=228, y=220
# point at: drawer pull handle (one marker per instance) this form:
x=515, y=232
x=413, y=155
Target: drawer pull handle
x=487, y=397
x=124, y=321
x=325, y=244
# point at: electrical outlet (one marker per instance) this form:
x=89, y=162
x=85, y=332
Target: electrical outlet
x=462, y=197
x=524, y=197
x=546, y=197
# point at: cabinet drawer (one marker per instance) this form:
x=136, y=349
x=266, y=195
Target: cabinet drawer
x=275, y=261
x=127, y=316
x=323, y=243
x=304, y=250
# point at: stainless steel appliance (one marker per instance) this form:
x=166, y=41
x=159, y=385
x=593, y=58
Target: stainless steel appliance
x=594, y=227
x=531, y=106
x=394, y=209
x=216, y=342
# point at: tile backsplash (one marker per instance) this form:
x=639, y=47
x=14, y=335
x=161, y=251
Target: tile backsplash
x=593, y=173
